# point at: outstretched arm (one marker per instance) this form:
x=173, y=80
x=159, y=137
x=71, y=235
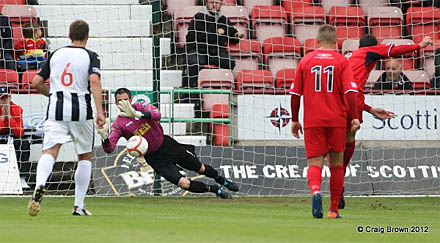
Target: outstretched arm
x=109, y=140
x=402, y=49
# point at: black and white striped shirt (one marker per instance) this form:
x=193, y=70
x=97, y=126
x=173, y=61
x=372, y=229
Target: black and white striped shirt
x=69, y=69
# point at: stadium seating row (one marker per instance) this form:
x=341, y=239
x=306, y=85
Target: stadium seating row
x=261, y=81
x=269, y=21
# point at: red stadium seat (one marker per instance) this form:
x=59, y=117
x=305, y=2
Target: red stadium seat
x=26, y=79
x=374, y=76
x=20, y=13
x=311, y=45
x=9, y=77
x=281, y=53
x=229, y=3
x=268, y=21
x=408, y=59
x=216, y=78
x=306, y=22
x=291, y=5
x=211, y=99
x=284, y=78
x=220, y=131
x=349, y=22
x=239, y=16
x=255, y=80
x=173, y=5
x=386, y=23
x=247, y=55
x=349, y=45
x=366, y=4
x=423, y=21
x=328, y=4
x=182, y=18
x=13, y=2
x=250, y=4
x=419, y=78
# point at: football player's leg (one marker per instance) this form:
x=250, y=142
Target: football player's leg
x=171, y=173
x=337, y=141
x=189, y=161
x=316, y=147
x=55, y=134
x=82, y=133
x=336, y=180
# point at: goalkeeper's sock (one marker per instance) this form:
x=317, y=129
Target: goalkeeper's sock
x=336, y=185
x=314, y=178
x=82, y=181
x=44, y=168
x=348, y=153
x=198, y=187
x=212, y=173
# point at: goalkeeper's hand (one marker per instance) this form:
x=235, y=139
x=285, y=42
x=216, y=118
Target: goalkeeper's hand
x=127, y=110
x=103, y=132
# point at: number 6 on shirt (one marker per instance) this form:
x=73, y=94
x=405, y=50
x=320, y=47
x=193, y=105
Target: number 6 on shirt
x=69, y=75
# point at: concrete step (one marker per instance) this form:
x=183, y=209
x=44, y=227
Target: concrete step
x=88, y=2
x=100, y=13
x=108, y=28
x=139, y=79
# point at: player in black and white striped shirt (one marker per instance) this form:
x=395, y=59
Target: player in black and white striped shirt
x=74, y=74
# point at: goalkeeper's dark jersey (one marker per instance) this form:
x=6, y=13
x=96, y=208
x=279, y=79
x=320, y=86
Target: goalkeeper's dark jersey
x=126, y=127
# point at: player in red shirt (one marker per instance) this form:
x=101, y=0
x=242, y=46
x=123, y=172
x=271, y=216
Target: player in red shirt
x=326, y=81
x=362, y=62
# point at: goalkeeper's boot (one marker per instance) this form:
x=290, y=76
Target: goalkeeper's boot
x=317, y=205
x=222, y=193
x=333, y=215
x=34, y=203
x=342, y=200
x=230, y=185
x=81, y=212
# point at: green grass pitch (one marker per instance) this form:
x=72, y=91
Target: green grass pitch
x=195, y=219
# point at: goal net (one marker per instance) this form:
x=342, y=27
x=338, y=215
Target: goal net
x=221, y=83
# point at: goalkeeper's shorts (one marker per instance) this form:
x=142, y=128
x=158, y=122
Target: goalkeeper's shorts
x=171, y=157
x=320, y=140
x=81, y=133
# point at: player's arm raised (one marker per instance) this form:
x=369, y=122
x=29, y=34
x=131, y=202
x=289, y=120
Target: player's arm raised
x=398, y=50
x=139, y=110
x=109, y=140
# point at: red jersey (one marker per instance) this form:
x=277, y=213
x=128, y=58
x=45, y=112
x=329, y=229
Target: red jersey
x=14, y=122
x=363, y=61
x=323, y=77
x=31, y=47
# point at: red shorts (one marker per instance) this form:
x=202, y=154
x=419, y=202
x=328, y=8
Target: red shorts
x=320, y=140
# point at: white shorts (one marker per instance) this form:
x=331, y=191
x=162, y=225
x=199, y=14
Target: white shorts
x=81, y=133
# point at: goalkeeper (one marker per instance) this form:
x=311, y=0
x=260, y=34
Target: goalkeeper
x=164, y=154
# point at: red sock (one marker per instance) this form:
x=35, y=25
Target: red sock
x=348, y=153
x=314, y=178
x=336, y=185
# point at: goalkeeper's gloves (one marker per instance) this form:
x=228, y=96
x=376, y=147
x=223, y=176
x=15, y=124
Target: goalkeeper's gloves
x=103, y=132
x=127, y=110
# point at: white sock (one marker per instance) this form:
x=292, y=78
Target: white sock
x=82, y=181
x=44, y=168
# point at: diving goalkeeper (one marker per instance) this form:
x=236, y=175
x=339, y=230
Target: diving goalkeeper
x=164, y=154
